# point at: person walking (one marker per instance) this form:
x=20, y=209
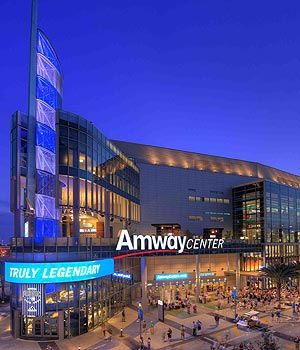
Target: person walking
x=144, y=326
x=182, y=331
x=152, y=327
x=149, y=343
x=194, y=329
x=169, y=334
x=123, y=315
x=217, y=319
x=199, y=325
x=142, y=343
x=104, y=330
x=297, y=343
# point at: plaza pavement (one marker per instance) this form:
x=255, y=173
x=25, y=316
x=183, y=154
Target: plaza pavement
x=284, y=331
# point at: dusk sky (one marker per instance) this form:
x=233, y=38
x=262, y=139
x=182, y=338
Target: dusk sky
x=216, y=77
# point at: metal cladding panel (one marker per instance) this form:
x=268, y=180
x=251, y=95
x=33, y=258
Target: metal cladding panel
x=45, y=206
x=45, y=137
x=45, y=228
x=45, y=160
x=45, y=114
x=46, y=70
x=47, y=93
x=45, y=48
x=45, y=183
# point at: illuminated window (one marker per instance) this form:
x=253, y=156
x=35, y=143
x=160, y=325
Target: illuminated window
x=195, y=218
x=82, y=160
x=82, y=193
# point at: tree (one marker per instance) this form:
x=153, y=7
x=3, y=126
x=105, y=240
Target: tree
x=280, y=274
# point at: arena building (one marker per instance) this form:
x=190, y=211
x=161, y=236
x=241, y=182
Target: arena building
x=73, y=191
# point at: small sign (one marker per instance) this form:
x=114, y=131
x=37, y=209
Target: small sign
x=126, y=276
x=32, y=296
x=172, y=276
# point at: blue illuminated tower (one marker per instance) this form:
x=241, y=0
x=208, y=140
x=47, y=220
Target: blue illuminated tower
x=45, y=96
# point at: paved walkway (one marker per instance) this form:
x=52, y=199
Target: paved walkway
x=227, y=332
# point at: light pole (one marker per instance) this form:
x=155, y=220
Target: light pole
x=140, y=317
x=234, y=295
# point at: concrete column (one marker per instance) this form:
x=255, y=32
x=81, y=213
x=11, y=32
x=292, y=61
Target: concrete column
x=144, y=279
x=76, y=201
x=197, y=290
x=238, y=271
x=264, y=285
x=106, y=214
x=61, y=330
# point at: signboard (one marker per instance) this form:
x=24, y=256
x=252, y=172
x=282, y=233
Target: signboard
x=160, y=310
x=207, y=274
x=126, y=276
x=167, y=242
x=87, y=230
x=171, y=276
x=32, y=296
x=57, y=272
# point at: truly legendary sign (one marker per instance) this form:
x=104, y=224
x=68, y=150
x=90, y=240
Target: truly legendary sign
x=168, y=242
x=57, y=272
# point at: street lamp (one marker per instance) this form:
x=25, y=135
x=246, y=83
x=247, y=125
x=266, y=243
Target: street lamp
x=140, y=317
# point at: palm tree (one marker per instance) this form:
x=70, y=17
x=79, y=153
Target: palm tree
x=280, y=273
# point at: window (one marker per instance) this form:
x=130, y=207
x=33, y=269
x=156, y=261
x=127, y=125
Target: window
x=209, y=199
x=195, y=218
x=217, y=218
x=82, y=193
x=82, y=160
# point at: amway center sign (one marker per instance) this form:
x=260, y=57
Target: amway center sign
x=168, y=242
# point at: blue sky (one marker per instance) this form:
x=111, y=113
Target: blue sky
x=217, y=77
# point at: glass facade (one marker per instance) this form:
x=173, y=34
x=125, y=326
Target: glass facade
x=267, y=211
x=270, y=213
x=86, y=154
x=248, y=211
x=95, y=178
x=82, y=306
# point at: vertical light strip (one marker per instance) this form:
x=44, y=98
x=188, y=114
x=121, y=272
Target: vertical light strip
x=48, y=99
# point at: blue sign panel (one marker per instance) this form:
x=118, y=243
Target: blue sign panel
x=126, y=276
x=57, y=272
x=172, y=276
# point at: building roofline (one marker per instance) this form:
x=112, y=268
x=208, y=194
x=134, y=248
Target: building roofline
x=206, y=155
